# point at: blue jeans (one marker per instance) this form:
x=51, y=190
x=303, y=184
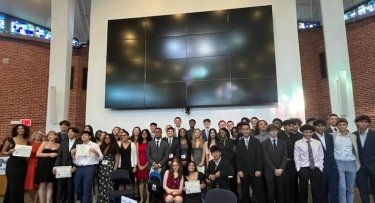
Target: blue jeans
x=347, y=175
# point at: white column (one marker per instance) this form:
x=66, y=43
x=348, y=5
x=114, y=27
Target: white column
x=338, y=66
x=62, y=26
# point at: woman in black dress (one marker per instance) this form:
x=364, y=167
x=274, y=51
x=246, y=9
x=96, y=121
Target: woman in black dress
x=16, y=166
x=47, y=154
x=194, y=175
x=128, y=155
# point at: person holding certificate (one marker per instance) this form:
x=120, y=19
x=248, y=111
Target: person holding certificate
x=16, y=166
x=44, y=177
x=86, y=157
x=194, y=190
x=173, y=182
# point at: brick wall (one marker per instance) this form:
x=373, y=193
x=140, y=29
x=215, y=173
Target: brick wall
x=24, y=81
x=24, y=84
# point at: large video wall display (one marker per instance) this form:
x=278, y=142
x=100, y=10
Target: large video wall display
x=205, y=59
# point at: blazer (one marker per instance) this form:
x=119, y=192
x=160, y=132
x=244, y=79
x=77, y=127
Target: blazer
x=274, y=158
x=133, y=154
x=329, y=161
x=367, y=153
x=64, y=157
x=155, y=155
x=290, y=141
x=251, y=159
x=174, y=149
x=225, y=169
x=353, y=138
x=228, y=150
x=204, y=135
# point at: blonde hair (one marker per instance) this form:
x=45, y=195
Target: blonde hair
x=195, y=139
x=36, y=132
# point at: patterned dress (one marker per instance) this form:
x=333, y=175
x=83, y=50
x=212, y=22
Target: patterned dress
x=105, y=185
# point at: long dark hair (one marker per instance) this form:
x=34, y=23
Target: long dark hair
x=140, y=138
x=217, y=140
x=112, y=146
x=226, y=132
x=25, y=135
x=179, y=133
x=132, y=137
x=257, y=130
x=92, y=139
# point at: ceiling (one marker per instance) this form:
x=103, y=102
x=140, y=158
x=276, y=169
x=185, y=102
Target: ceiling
x=39, y=12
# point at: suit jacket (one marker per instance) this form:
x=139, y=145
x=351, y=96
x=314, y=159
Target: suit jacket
x=174, y=149
x=355, y=147
x=228, y=150
x=274, y=158
x=251, y=159
x=329, y=161
x=190, y=133
x=64, y=157
x=290, y=141
x=155, y=155
x=204, y=135
x=367, y=153
x=225, y=169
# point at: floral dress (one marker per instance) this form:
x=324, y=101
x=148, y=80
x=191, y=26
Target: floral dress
x=105, y=184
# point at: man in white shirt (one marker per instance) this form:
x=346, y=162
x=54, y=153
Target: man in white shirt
x=86, y=167
x=177, y=121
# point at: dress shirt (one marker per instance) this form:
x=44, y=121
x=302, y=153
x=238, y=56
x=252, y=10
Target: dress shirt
x=89, y=160
x=344, y=148
x=301, y=153
x=71, y=142
x=271, y=138
x=363, y=137
x=322, y=139
x=217, y=162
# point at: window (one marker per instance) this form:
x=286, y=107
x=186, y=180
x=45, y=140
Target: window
x=22, y=28
x=362, y=10
x=41, y=32
x=308, y=25
x=2, y=23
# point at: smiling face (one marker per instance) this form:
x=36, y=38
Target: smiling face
x=20, y=130
x=191, y=167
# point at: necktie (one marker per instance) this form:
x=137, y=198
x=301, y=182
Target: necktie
x=157, y=145
x=274, y=144
x=247, y=144
x=311, y=157
x=170, y=142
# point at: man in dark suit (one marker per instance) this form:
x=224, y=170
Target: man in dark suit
x=330, y=172
x=366, y=151
x=218, y=170
x=332, y=119
x=190, y=132
x=173, y=145
x=291, y=178
x=65, y=186
x=249, y=165
x=63, y=134
x=228, y=153
x=206, y=130
x=275, y=155
x=157, y=152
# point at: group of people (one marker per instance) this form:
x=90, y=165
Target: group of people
x=259, y=162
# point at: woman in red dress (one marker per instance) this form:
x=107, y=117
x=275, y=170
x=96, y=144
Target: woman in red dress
x=142, y=172
x=173, y=183
x=32, y=162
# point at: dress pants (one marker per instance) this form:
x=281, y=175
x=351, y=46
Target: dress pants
x=65, y=190
x=256, y=184
x=291, y=183
x=83, y=182
x=315, y=176
x=330, y=189
x=363, y=176
x=275, y=190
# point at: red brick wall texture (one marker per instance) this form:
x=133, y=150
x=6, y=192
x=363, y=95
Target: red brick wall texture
x=24, y=80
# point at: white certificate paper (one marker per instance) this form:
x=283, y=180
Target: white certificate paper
x=22, y=150
x=193, y=187
x=83, y=150
x=200, y=169
x=63, y=171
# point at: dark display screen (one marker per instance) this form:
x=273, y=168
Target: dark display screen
x=215, y=58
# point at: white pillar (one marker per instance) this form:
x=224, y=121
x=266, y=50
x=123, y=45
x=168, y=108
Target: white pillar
x=338, y=66
x=62, y=26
